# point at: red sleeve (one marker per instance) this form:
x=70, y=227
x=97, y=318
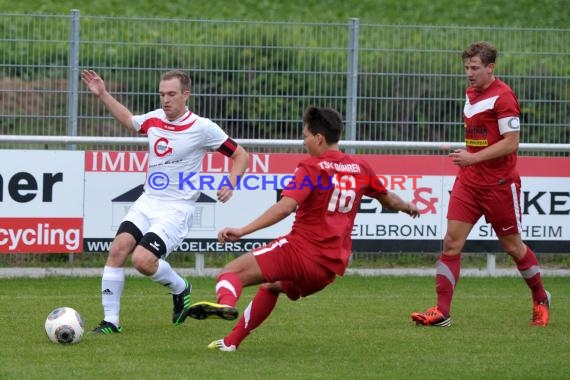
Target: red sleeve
x=376, y=187
x=298, y=188
x=507, y=105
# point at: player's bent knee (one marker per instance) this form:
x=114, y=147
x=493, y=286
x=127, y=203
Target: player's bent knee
x=274, y=287
x=122, y=247
x=291, y=290
x=452, y=246
x=144, y=261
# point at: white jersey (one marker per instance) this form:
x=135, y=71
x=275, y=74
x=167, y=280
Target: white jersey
x=176, y=151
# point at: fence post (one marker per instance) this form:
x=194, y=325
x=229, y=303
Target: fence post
x=352, y=81
x=491, y=265
x=199, y=266
x=73, y=77
x=73, y=82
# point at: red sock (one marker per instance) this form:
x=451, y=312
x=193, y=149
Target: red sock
x=530, y=271
x=228, y=288
x=447, y=275
x=255, y=313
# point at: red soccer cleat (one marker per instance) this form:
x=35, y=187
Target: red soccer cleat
x=541, y=312
x=432, y=317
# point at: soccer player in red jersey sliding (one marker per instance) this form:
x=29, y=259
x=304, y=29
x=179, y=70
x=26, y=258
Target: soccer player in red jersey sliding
x=325, y=193
x=487, y=184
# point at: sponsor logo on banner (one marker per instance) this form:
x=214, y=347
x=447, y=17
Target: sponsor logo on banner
x=41, y=235
x=41, y=201
x=113, y=181
x=137, y=162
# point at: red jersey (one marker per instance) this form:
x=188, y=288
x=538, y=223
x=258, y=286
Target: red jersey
x=328, y=189
x=487, y=115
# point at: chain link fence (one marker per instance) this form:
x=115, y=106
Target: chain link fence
x=392, y=82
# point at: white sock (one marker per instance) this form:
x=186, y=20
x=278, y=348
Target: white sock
x=166, y=276
x=112, y=285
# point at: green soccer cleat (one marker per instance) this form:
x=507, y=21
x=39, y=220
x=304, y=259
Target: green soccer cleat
x=106, y=328
x=181, y=304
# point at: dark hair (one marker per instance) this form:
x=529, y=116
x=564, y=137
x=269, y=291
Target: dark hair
x=485, y=51
x=185, y=81
x=326, y=121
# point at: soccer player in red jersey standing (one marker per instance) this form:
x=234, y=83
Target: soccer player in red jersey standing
x=487, y=184
x=325, y=193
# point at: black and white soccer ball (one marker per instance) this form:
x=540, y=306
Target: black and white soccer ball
x=64, y=325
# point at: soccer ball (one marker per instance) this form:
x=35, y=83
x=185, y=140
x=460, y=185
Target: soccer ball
x=64, y=325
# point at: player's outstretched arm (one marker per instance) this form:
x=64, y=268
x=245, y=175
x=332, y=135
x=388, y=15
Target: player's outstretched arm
x=97, y=86
x=272, y=215
x=394, y=202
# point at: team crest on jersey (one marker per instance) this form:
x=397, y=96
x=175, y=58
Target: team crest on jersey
x=161, y=147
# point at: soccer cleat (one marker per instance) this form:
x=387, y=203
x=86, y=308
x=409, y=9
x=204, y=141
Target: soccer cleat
x=221, y=346
x=432, y=317
x=181, y=304
x=204, y=310
x=541, y=311
x=106, y=328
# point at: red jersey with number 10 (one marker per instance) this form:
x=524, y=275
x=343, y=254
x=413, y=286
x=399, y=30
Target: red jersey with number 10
x=328, y=190
x=481, y=114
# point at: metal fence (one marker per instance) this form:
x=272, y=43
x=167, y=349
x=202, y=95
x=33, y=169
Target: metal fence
x=391, y=82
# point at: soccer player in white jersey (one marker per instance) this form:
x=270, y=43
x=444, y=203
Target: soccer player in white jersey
x=488, y=184
x=162, y=216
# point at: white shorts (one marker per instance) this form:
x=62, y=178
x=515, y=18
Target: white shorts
x=170, y=220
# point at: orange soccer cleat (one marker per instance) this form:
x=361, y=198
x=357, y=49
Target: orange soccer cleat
x=541, y=312
x=432, y=317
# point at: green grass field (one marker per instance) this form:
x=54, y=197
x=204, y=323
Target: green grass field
x=358, y=328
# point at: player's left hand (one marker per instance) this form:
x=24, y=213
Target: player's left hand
x=224, y=194
x=412, y=210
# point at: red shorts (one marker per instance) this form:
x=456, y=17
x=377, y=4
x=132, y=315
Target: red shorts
x=500, y=205
x=282, y=260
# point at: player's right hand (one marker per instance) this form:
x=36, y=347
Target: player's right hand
x=229, y=234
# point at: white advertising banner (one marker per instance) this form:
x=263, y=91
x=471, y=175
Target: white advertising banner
x=113, y=181
x=74, y=201
x=41, y=201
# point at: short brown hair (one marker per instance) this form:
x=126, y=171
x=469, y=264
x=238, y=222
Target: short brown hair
x=185, y=81
x=486, y=51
